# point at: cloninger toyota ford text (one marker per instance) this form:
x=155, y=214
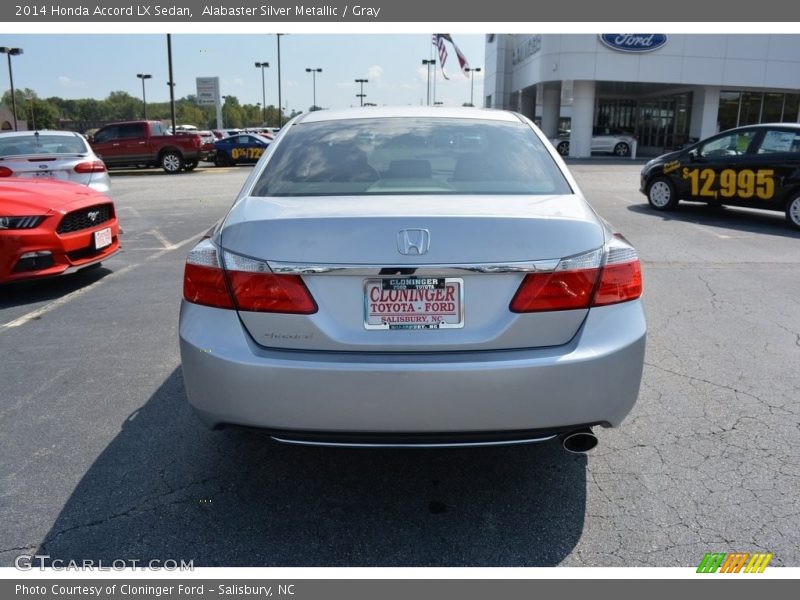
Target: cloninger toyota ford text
x=413, y=276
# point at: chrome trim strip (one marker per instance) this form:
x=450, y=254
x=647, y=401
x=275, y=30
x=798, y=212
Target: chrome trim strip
x=412, y=445
x=536, y=266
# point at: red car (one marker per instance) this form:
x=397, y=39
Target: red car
x=52, y=227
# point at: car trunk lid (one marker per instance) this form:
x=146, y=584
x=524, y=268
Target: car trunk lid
x=466, y=250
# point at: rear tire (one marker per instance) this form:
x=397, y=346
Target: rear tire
x=563, y=148
x=171, y=161
x=622, y=149
x=793, y=211
x=661, y=194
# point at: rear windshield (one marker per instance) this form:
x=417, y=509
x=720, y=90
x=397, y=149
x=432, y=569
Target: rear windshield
x=42, y=144
x=410, y=156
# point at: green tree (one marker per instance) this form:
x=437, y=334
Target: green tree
x=124, y=107
x=38, y=113
x=232, y=113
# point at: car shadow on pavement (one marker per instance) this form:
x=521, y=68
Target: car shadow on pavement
x=166, y=488
x=728, y=217
x=43, y=290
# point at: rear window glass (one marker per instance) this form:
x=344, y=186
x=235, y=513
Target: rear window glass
x=42, y=144
x=410, y=156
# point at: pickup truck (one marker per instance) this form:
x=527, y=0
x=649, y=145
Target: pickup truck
x=147, y=143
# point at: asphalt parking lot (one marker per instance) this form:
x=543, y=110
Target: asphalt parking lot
x=102, y=459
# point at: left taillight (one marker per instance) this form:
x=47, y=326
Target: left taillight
x=6, y=172
x=90, y=166
x=608, y=275
x=242, y=283
x=204, y=279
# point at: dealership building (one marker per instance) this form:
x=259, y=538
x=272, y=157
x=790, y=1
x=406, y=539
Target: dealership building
x=666, y=89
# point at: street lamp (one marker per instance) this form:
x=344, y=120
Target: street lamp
x=280, y=109
x=472, y=83
x=11, y=52
x=144, y=76
x=314, y=83
x=262, y=66
x=362, y=95
x=428, y=64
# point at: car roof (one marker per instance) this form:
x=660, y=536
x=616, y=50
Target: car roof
x=384, y=112
x=766, y=125
x=40, y=131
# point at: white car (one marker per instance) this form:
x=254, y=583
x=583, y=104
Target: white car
x=62, y=155
x=604, y=139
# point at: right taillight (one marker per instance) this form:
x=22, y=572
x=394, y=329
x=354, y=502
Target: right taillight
x=608, y=275
x=92, y=166
x=621, y=278
x=245, y=284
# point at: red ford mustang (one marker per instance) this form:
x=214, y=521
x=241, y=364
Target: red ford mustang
x=52, y=228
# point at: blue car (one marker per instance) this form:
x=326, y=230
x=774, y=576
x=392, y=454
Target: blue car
x=243, y=148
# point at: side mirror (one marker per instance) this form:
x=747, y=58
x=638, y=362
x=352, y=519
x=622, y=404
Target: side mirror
x=692, y=155
x=90, y=139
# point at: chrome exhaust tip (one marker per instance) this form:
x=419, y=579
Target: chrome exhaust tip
x=579, y=441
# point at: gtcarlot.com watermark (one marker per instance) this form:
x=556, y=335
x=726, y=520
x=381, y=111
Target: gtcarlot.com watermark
x=27, y=562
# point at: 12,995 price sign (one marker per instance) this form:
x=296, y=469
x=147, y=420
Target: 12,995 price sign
x=730, y=183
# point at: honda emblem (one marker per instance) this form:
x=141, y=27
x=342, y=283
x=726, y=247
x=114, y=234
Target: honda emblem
x=413, y=241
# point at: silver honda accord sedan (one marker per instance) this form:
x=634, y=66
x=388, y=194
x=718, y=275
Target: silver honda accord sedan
x=413, y=277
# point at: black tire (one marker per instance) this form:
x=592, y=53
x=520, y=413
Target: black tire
x=191, y=166
x=793, y=211
x=563, y=148
x=222, y=160
x=661, y=194
x=622, y=149
x=171, y=161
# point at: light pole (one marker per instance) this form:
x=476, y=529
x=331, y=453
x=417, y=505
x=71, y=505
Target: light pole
x=30, y=100
x=226, y=118
x=280, y=106
x=314, y=72
x=144, y=76
x=262, y=66
x=171, y=83
x=428, y=64
x=472, y=83
x=11, y=52
x=362, y=95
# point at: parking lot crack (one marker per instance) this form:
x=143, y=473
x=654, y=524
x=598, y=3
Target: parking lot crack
x=147, y=505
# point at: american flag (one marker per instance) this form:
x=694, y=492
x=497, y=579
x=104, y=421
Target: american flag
x=438, y=40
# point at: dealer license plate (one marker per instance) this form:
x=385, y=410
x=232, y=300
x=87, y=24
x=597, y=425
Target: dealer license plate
x=414, y=303
x=102, y=238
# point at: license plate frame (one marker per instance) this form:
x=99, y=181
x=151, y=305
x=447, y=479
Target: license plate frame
x=102, y=238
x=412, y=291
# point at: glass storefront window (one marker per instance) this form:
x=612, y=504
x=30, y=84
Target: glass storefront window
x=749, y=108
x=728, y=110
x=773, y=108
x=791, y=108
x=750, y=113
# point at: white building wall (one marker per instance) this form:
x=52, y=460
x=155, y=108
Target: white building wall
x=727, y=60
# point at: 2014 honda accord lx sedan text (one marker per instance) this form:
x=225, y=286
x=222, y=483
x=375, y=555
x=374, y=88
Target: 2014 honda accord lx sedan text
x=413, y=277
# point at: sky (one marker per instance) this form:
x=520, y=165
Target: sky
x=92, y=66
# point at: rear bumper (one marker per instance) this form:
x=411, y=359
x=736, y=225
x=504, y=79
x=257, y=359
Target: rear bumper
x=593, y=379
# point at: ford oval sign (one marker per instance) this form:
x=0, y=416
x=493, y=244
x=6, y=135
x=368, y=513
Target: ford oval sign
x=634, y=42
